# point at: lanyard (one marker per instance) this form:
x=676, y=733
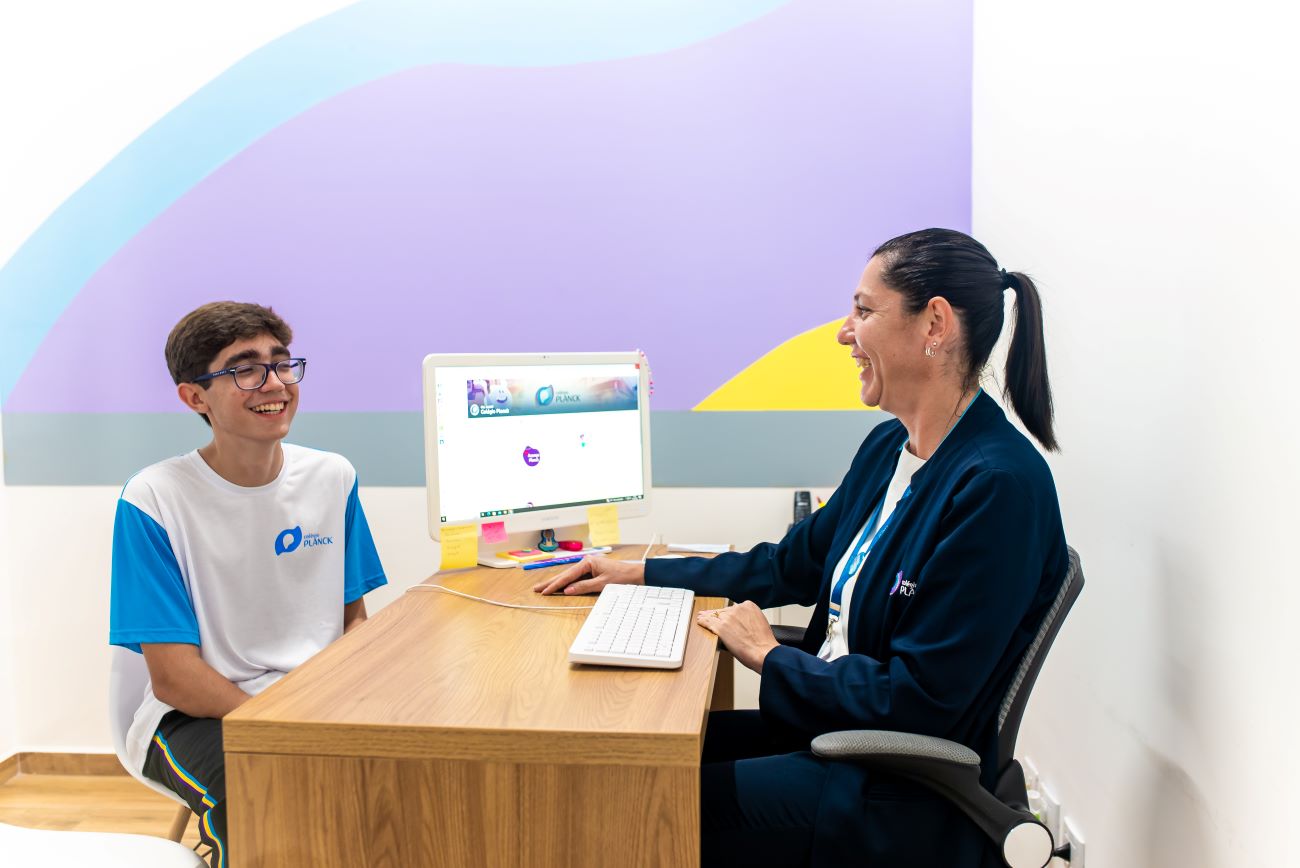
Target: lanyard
x=870, y=534
x=865, y=543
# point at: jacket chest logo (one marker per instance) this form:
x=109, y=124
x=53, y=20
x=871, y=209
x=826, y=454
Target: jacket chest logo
x=903, y=587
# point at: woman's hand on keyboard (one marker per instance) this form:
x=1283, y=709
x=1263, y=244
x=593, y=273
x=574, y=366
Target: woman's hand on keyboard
x=591, y=574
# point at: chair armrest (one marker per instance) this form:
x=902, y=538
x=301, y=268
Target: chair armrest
x=788, y=635
x=953, y=771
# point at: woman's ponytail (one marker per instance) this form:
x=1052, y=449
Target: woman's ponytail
x=943, y=262
x=1027, y=386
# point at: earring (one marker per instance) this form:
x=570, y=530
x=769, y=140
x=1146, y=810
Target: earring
x=929, y=351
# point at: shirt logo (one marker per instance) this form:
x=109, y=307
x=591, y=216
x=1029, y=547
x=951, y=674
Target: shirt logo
x=289, y=540
x=903, y=587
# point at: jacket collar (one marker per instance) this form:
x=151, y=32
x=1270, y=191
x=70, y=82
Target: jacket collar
x=982, y=413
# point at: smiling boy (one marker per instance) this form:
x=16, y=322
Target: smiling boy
x=233, y=563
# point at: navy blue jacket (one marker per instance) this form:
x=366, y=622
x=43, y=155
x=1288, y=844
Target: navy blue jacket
x=980, y=547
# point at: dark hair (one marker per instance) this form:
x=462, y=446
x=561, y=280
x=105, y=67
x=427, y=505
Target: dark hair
x=205, y=331
x=949, y=264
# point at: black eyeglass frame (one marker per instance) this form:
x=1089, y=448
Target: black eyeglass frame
x=266, y=367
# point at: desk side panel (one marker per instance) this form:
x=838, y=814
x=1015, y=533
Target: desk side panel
x=366, y=813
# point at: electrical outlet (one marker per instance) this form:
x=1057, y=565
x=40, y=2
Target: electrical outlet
x=1073, y=837
x=1031, y=773
x=1051, y=811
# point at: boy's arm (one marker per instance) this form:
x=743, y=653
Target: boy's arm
x=353, y=613
x=185, y=682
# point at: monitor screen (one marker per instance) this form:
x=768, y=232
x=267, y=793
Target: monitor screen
x=513, y=439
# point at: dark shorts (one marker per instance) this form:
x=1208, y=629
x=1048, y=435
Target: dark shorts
x=186, y=756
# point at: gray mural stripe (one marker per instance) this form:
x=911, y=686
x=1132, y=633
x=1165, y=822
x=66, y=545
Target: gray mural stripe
x=691, y=450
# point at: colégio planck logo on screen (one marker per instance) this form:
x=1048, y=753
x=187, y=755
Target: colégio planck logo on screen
x=548, y=395
x=532, y=457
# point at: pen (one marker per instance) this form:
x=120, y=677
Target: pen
x=537, y=565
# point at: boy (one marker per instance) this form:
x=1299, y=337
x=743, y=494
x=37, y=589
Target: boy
x=236, y=562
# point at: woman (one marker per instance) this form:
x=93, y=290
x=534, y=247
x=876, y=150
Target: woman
x=931, y=568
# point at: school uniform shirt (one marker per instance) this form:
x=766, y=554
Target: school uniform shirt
x=255, y=577
x=947, y=603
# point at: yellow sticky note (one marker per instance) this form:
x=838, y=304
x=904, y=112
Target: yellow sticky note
x=459, y=547
x=602, y=522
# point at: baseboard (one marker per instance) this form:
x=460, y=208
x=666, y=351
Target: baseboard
x=62, y=764
x=8, y=768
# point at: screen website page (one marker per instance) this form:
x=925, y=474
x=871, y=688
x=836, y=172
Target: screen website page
x=522, y=438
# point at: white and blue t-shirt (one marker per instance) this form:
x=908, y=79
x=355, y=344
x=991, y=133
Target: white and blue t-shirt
x=256, y=577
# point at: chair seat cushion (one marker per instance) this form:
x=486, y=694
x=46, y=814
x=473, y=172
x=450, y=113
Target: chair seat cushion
x=41, y=848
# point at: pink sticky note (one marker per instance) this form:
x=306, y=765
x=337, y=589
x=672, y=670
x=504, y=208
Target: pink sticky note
x=494, y=532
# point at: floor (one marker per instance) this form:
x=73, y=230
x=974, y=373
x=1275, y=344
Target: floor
x=96, y=803
x=88, y=803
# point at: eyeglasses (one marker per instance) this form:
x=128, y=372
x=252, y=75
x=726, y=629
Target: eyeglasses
x=252, y=377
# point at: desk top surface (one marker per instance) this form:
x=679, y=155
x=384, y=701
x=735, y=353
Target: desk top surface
x=434, y=675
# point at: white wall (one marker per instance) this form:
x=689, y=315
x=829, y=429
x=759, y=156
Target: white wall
x=1140, y=159
x=60, y=545
x=82, y=79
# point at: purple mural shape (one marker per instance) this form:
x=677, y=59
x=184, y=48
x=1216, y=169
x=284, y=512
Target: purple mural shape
x=703, y=205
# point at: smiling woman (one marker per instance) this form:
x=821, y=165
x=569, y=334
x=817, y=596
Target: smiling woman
x=930, y=568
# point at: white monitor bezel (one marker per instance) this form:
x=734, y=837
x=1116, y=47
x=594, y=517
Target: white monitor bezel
x=551, y=518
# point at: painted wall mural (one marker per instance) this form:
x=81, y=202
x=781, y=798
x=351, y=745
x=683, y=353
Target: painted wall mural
x=701, y=181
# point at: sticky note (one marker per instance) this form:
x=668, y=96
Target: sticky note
x=602, y=522
x=494, y=532
x=459, y=547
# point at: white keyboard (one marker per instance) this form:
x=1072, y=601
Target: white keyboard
x=635, y=625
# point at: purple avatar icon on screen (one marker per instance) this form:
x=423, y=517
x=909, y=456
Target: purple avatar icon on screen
x=531, y=456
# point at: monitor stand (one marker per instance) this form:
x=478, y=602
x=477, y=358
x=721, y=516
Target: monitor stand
x=487, y=556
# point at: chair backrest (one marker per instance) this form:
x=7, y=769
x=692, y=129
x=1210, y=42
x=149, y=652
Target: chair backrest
x=1017, y=696
x=127, y=678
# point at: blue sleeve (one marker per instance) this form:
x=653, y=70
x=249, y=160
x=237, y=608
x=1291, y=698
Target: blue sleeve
x=362, y=572
x=149, y=601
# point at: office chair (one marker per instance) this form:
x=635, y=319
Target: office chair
x=128, y=676
x=953, y=770
x=41, y=848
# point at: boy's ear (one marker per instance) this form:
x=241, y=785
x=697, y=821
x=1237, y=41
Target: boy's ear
x=193, y=397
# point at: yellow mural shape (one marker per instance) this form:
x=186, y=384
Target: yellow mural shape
x=810, y=371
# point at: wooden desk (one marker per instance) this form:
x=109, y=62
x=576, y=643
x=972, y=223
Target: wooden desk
x=447, y=732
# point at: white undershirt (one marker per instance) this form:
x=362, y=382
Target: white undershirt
x=836, y=644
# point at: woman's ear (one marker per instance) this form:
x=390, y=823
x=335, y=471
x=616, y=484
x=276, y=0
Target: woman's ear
x=941, y=321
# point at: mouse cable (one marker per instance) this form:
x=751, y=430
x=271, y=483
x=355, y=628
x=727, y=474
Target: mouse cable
x=498, y=602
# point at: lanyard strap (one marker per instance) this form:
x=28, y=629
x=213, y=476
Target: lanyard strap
x=862, y=548
x=867, y=539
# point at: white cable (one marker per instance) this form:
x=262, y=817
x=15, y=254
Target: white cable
x=498, y=602
x=646, y=555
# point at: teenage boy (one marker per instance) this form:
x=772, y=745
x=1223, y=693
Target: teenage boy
x=234, y=563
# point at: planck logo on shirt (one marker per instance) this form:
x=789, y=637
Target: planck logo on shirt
x=289, y=540
x=903, y=587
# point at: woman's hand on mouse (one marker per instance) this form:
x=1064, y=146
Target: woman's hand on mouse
x=591, y=574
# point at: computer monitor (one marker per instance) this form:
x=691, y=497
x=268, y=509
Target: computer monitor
x=534, y=439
